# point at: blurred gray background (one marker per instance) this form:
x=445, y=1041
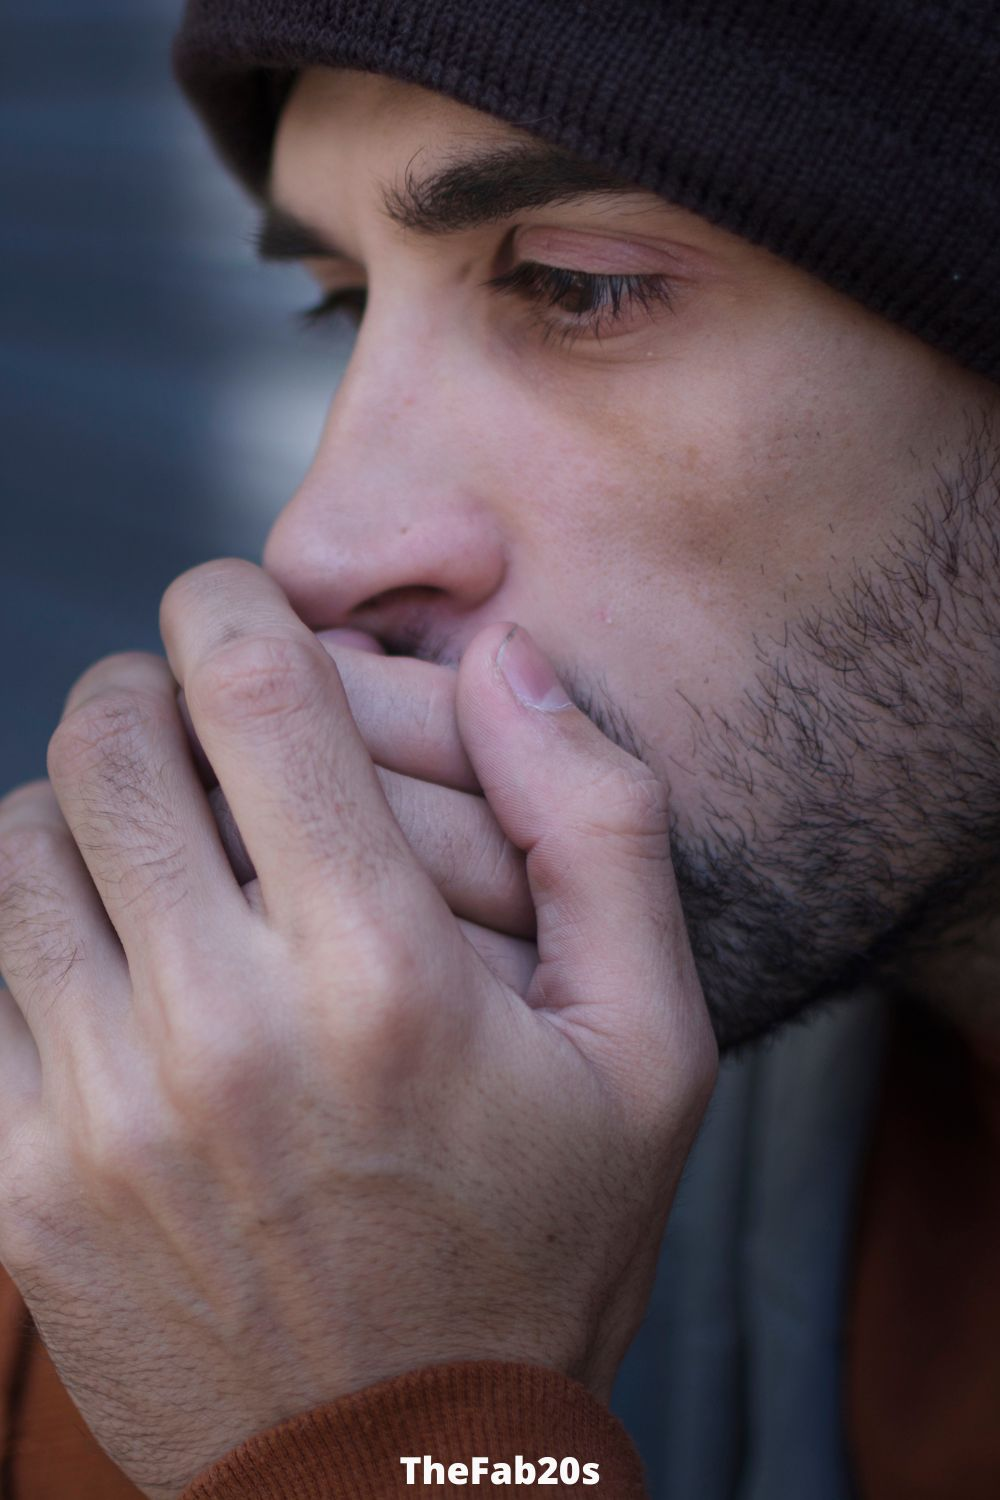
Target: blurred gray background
x=158, y=400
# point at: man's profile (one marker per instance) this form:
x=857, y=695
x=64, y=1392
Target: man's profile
x=654, y=533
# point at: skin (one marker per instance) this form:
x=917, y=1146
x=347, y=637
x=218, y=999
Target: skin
x=729, y=523
x=440, y=1046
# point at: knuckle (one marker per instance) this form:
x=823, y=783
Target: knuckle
x=368, y=966
x=228, y=1078
x=380, y=967
x=26, y=847
x=202, y=581
x=120, y=1144
x=32, y=794
x=119, y=668
x=258, y=678
x=378, y=1015
x=633, y=801
x=627, y=808
x=626, y=811
x=105, y=729
x=123, y=826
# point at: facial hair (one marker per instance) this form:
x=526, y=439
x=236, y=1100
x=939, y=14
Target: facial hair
x=851, y=800
x=851, y=810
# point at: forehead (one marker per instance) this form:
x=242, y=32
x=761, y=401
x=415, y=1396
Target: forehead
x=349, y=139
x=332, y=108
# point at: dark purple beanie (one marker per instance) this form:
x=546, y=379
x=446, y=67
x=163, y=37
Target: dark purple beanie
x=859, y=139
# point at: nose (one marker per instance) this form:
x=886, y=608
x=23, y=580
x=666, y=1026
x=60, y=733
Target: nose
x=395, y=530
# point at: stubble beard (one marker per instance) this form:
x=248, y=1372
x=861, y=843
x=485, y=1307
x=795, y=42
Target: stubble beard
x=850, y=812
x=864, y=764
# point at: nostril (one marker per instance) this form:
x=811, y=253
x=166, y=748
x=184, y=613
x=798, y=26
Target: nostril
x=415, y=620
x=393, y=598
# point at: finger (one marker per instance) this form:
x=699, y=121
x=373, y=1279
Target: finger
x=463, y=848
x=455, y=837
x=512, y=960
x=20, y=1062
x=20, y=1065
x=59, y=955
x=614, y=956
x=405, y=711
x=268, y=706
x=359, y=640
x=123, y=774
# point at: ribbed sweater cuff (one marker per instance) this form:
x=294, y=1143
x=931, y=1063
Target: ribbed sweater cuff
x=352, y=1447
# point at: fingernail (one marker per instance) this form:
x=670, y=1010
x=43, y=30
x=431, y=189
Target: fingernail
x=529, y=675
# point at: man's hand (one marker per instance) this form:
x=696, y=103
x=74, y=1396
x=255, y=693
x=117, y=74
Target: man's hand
x=406, y=715
x=262, y=1148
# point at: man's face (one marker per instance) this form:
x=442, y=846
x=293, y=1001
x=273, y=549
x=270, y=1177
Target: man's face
x=752, y=524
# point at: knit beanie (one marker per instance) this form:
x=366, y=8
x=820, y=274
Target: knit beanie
x=859, y=139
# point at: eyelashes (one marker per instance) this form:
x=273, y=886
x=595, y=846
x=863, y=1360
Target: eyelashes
x=595, y=304
x=569, y=304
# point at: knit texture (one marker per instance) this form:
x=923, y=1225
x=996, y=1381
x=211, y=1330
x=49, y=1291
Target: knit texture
x=859, y=139
x=352, y=1448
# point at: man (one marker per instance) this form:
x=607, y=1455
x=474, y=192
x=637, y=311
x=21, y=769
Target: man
x=349, y=1138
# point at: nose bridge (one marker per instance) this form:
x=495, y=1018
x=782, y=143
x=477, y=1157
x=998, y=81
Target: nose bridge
x=387, y=372
x=396, y=499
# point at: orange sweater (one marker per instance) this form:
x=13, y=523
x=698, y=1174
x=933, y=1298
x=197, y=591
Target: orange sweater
x=350, y=1448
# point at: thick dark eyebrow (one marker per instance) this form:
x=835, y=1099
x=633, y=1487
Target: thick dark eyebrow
x=468, y=194
x=494, y=185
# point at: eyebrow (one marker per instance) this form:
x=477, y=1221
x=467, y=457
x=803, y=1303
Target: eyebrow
x=472, y=193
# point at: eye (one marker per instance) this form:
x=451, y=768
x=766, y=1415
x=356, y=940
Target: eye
x=593, y=304
x=350, y=301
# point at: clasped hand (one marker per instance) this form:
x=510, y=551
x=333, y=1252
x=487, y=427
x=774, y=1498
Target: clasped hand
x=264, y=1144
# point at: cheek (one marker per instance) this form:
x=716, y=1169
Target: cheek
x=747, y=487
x=688, y=511
x=647, y=580
x=676, y=531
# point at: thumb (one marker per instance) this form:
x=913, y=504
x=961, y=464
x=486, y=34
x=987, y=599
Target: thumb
x=615, y=962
